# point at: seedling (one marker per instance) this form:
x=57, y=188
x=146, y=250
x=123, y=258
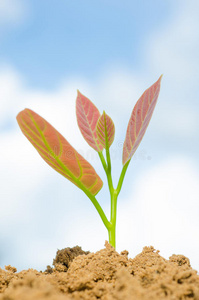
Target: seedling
x=98, y=130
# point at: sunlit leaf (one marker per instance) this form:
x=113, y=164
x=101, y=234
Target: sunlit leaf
x=105, y=130
x=57, y=152
x=87, y=117
x=140, y=119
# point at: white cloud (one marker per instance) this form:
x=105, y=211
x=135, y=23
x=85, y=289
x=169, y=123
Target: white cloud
x=163, y=210
x=173, y=50
x=177, y=120
x=12, y=11
x=57, y=107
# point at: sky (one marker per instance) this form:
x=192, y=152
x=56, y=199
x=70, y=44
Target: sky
x=111, y=51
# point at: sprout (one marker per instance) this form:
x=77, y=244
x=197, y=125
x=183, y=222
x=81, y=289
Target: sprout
x=99, y=131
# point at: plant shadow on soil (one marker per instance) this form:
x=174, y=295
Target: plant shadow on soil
x=105, y=275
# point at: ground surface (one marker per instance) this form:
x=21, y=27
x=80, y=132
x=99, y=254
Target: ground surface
x=104, y=275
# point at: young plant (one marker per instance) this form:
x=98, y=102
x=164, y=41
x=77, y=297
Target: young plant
x=98, y=130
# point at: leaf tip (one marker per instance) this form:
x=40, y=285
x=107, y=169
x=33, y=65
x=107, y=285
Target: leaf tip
x=20, y=113
x=78, y=94
x=160, y=78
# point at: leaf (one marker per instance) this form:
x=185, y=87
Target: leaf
x=140, y=119
x=57, y=152
x=87, y=117
x=105, y=130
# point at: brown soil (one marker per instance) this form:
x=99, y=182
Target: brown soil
x=104, y=275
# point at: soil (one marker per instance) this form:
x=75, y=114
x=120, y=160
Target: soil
x=105, y=275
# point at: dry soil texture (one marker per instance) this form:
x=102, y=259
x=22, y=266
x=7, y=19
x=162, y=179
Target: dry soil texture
x=104, y=275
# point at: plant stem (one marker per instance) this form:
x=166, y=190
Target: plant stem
x=98, y=208
x=112, y=230
x=110, y=225
x=101, y=156
x=113, y=192
x=121, y=179
x=114, y=196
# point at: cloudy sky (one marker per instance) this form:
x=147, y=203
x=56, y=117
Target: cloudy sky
x=111, y=51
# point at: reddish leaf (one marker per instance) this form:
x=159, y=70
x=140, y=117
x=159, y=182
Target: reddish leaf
x=57, y=152
x=140, y=119
x=105, y=130
x=87, y=117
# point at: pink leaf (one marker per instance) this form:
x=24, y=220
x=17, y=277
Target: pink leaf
x=87, y=117
x=105, y=130
x=57, y=152
x=140, y=119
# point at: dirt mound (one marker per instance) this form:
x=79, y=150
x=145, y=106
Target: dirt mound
x=64, y=258
x=104, y=275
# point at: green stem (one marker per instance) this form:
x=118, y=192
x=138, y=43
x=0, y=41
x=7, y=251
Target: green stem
x=114, y=196
x=98, y=208
x=107, y=169
x=112, y=230
x=101, y=156
x=121, y=179
x=113, y=192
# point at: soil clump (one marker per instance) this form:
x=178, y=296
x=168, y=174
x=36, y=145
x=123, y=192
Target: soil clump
x=105, y=275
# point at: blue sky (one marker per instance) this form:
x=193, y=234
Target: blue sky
x=66, y=38
x=111, y=51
